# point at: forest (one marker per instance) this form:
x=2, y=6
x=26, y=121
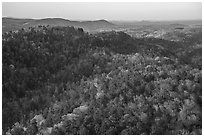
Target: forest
x=65, y=81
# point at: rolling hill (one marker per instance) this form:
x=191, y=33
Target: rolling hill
x=10, y=24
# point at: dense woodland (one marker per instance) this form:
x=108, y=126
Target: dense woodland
x=62, y=80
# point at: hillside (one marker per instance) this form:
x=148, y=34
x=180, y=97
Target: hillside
x=64, y=81
x=10, y=24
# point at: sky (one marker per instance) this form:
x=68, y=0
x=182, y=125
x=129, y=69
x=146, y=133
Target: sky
x=107, y=11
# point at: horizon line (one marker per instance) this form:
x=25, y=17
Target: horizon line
x=153, y=20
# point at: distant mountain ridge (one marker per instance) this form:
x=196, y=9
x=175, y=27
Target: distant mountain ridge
x=146, y=22
x=9, y=24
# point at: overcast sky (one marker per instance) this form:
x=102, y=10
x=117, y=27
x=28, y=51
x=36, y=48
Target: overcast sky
x=108, y=11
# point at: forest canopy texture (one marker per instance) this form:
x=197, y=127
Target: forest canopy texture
x=62, y=80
